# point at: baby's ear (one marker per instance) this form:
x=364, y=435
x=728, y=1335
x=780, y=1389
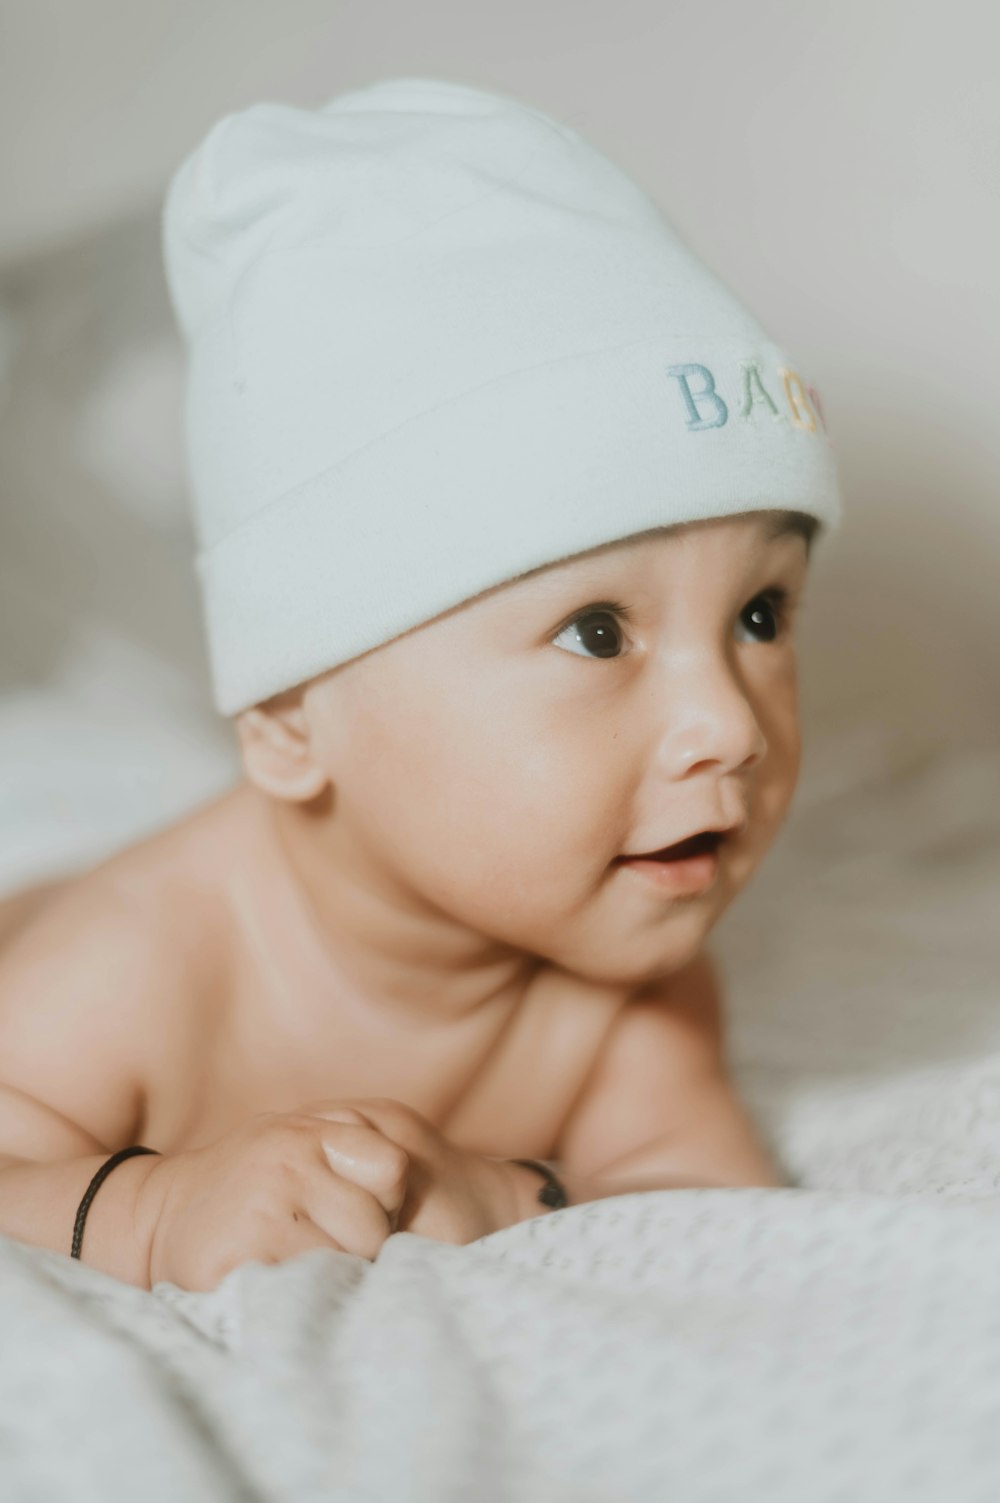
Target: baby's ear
x=277, y=748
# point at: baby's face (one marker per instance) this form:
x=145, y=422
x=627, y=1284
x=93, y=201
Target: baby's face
x=498, y=759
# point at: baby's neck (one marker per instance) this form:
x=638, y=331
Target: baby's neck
x=353, y=933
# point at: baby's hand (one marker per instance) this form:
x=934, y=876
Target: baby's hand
x=452, y=1194
x=278, y=1185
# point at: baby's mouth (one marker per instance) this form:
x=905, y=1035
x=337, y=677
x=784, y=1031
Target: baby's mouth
x=694, y=845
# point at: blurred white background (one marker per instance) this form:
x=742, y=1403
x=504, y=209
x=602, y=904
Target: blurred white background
x=836, y=165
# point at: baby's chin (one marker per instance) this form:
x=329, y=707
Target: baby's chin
x=627, y=946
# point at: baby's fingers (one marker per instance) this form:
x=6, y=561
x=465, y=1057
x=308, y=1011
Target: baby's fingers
x=364, y=1156
x=348, y=1214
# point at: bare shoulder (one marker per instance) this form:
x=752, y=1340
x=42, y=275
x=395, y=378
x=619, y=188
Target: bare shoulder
x=691, y=998
x=94, y=984
x=664, y=1049
x=682, y=1012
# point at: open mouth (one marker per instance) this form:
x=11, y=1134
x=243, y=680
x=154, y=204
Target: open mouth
x=683, y=870
x=695, y=845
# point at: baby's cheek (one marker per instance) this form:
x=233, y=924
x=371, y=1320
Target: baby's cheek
x=773, y=789
x=788, y=758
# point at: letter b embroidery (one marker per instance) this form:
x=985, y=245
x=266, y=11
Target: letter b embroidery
x=708, y=393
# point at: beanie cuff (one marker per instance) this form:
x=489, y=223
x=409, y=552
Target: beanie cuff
x=532, y=467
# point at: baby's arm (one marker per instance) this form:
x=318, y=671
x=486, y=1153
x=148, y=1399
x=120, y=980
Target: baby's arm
x=75, y=987
x=658, y=1112
x=659, y=1109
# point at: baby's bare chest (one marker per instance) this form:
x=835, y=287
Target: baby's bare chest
x=504, y=1089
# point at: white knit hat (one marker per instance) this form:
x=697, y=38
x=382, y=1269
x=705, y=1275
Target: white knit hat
x=437, y=339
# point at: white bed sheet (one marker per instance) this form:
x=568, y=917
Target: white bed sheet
x=778, y=1345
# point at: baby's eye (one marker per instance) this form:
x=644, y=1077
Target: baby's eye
x=596, y=630
x=769, y=613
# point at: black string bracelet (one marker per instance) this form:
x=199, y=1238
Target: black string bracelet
x=95, y=1185
x=553, y=1192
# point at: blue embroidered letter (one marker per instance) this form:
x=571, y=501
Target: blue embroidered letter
x=751, y=372
x=707, y=394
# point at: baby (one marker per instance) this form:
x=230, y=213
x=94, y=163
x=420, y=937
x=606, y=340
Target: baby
x=504, y=507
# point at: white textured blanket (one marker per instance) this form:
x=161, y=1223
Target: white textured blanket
x=696, y=1345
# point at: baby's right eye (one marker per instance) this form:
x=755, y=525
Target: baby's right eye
x=597, y=630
